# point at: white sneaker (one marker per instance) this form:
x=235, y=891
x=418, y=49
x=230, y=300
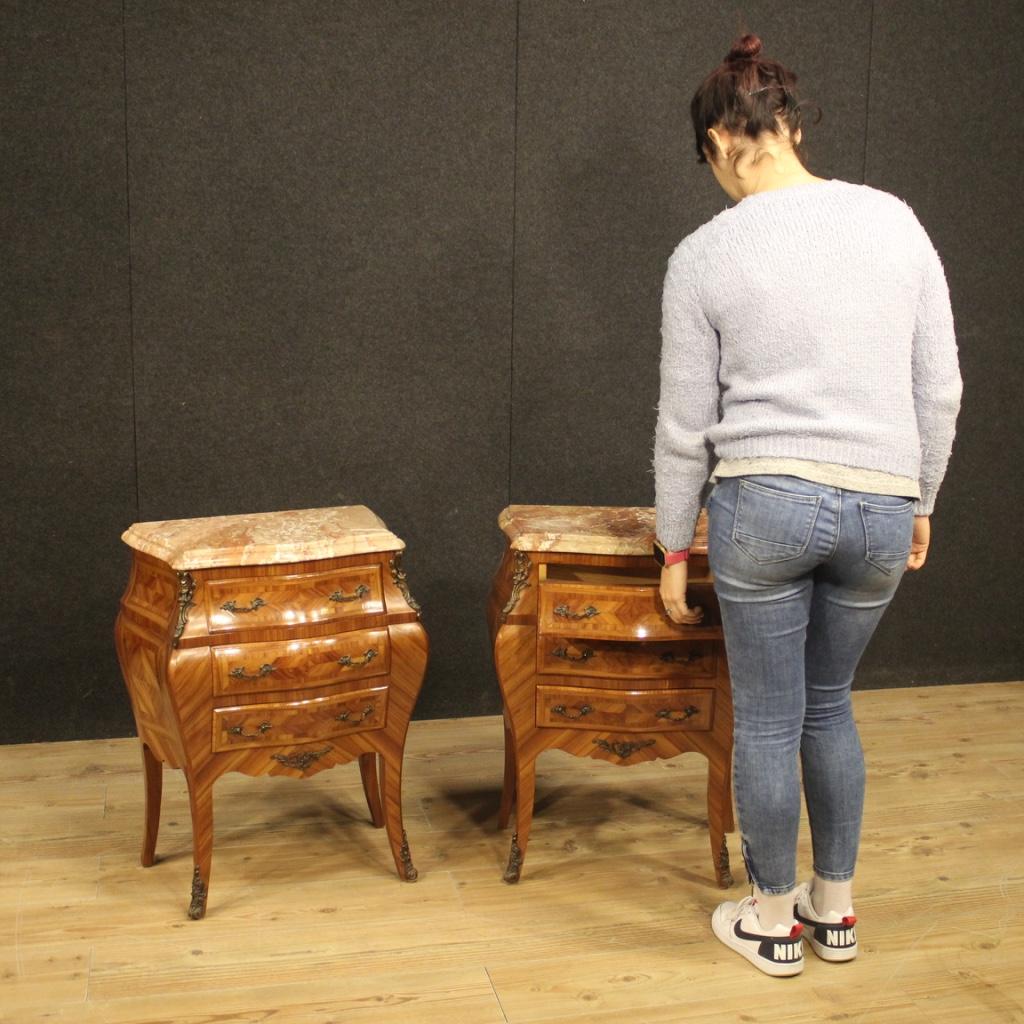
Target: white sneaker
x=778, y=952
x=832, y=936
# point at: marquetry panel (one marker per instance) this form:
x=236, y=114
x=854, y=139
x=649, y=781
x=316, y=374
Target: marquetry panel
x=266, y=725
x=564, y=655
x=579, y=707
x=320, y=661
x=625, y=612
x=309, y=598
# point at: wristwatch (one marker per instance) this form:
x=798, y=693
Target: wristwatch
x=665, y=558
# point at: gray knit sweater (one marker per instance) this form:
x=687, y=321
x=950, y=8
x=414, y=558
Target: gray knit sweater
x=809, y=322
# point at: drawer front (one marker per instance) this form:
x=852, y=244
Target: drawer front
x=567, y=656
x=577, y=707
x=307, y=599
x=322, y=718
x=613, y=613
x=286, y=664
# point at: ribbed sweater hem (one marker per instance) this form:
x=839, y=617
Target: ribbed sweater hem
x=859, y=455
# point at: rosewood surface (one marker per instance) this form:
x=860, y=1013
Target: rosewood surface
x=282, y=668
x=589, y=662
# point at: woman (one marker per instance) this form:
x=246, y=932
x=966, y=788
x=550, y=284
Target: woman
x=808, y=346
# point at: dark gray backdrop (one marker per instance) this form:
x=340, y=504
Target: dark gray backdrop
x=409, y=254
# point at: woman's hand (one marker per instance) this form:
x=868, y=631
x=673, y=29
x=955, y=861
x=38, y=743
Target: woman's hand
x=673, y=596
x=918, y=543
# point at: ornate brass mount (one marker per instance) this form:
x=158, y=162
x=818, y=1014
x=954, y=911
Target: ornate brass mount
x=240, y=673
x=520, y=581
x=301, y=761
x=411, y=874
x=678, y=716
x=723, y=866
x=349, y=662
x=254, y=604
x=563, y=652
x=622, y=749
x=345, y=716
x=560, y=709
x=186, y=590
x=671, y=658
x=197, y=906
x=239, y=730
x=399, y=576
x=515, y=861
x=339, y=598
x=562, y=611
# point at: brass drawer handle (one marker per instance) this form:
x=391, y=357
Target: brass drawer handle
x=230, y=606
x=239, y=730
x=562, y=611
x=301, y=761
x=678, y=716
x=350, y=662
x=339, y=598
x=623, y=750
x=671, y=658
x=563, y=652
x=345, y=716
x=560, y=709
x=240, y=673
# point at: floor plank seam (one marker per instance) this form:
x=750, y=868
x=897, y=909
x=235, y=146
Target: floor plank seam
x=497, y=998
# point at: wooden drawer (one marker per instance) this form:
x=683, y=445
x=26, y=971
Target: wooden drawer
x=566, y=656
x=306, y=599
x=274, y=725
x=578, y=707
x=619, y=612
x=287, y=664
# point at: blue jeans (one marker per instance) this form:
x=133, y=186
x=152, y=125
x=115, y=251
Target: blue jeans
x=803, y=573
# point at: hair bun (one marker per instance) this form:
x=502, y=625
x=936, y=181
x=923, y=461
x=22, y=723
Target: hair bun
x=745, y=48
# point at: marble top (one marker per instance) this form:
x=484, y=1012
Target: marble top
x=263, y=538
x=587, y=530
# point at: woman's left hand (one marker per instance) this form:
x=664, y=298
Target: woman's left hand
x=673, y=596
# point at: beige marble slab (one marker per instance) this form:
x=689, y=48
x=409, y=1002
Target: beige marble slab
x=587, y=530
x=263, y=538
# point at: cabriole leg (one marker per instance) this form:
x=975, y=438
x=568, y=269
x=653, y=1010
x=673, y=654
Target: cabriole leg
x=153, y=772
x=371, y=787
x=200, y=800
x=391, y=784
x=526, y=775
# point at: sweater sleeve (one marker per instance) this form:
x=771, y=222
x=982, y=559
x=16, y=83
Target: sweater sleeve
x=687, y=405
x=936, y=379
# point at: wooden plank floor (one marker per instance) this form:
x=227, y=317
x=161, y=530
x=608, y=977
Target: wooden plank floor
x=308, y=923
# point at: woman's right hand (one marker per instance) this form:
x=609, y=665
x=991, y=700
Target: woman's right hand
x=919, y=542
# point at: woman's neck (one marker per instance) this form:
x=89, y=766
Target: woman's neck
x=772, y=168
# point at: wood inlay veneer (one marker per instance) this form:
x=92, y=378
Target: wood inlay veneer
x=272, y=644
x=589, y=662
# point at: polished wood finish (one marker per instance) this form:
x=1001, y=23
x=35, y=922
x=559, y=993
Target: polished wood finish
x=625, y=710
x=255, y=667
x=609, y=926
x=588, y=662
x=282, y=669
x=575, y=656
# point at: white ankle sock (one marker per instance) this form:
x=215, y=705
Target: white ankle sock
x=774, y=910
x=831, y=897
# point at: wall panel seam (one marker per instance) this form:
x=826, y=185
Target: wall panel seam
x=867, y=99
x=512, y=325
x=128, y=219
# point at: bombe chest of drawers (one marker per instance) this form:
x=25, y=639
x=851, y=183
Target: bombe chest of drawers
x=276, y=643
x=589, y=662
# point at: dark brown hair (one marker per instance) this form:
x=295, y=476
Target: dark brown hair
x=747, y=94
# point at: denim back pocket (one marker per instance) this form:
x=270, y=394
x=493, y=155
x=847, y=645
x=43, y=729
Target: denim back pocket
x=773, y=525
x=888, y=530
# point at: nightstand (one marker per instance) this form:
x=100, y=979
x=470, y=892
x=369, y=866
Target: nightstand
x=278, y=643
x=589, y=662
